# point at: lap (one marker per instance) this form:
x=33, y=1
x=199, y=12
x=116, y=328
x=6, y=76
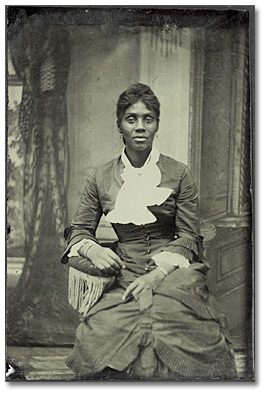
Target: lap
x=180, y=326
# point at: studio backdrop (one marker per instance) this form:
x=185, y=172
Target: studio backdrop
x=66, y=69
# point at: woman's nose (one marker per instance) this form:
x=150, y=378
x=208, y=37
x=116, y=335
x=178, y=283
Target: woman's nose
x=140, y=125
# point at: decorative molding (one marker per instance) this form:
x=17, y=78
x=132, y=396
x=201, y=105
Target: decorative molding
x=231, y=269
x=196, y=103
x=227, y=294
x=245, y=177
x=234, y=221
x=227, y=195
x=240, y=130
x=208, y=231
x=228, y=238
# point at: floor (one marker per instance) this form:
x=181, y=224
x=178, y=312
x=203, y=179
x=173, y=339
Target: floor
x=48, y=364
x=40, y=363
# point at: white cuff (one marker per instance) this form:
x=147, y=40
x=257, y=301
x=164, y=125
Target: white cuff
x=75, y=248
x=166, y=257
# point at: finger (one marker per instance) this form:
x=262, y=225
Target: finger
x=116, y=258
x=99, y=266
x=137, y=291
x=104, y=264
x=126, y=294
x=106, y=269
x=129, y=289
x=111, y=262
x=116, y=266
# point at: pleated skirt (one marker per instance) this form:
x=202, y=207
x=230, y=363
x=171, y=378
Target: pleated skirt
x=175, y=331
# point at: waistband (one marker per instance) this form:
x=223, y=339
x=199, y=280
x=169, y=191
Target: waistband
x=132, y=233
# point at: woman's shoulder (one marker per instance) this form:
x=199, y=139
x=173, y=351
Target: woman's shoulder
x=174, y=170
x=108, y=166
x=106, y=169
x=172, y=165
x=103, y=168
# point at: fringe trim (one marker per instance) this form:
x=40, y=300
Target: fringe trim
x=85, y=290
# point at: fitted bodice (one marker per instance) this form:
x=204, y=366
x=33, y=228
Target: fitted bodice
x=131, y=233
x=138, y=244
x=176, y=223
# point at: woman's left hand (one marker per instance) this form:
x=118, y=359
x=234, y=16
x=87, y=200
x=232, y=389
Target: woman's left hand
x=142, y=283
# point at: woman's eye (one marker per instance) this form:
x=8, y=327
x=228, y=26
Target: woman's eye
x=131, y=120
x=149, y=119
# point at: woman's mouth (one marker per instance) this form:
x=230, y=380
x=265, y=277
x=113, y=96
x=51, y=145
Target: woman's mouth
x=140, y=138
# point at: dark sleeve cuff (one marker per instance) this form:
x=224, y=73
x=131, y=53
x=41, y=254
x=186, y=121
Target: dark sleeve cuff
x=74, y=238
x=186, y=247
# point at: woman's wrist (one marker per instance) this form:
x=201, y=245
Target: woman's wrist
x=84, y=250
x=162, y=271
x=166, y=268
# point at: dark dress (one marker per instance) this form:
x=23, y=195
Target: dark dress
x=174, y=328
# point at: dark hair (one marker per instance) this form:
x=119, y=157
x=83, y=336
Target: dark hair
x=133, y=94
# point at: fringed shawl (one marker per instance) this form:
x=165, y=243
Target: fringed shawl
x=85, y=290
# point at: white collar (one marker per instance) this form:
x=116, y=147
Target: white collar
x=139, y=191
x=151, y=159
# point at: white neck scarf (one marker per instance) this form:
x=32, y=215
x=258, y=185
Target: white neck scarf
x=139, y=191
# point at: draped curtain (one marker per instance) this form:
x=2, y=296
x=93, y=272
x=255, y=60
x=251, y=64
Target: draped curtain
x=38, y=311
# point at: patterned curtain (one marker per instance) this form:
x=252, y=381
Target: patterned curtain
x=38, y=311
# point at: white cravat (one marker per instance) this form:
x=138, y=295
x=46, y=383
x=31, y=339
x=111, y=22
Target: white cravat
x=139, y=191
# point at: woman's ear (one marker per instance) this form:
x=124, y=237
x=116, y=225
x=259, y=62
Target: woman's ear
x=120, y=132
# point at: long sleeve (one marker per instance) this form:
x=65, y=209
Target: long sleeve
x=87, y=217
x=186, y=222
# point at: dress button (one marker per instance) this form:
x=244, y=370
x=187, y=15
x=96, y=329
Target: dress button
x=148, y=251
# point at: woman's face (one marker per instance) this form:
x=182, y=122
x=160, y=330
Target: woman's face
x=138, y=126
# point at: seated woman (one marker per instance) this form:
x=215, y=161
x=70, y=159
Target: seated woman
x=149, y=314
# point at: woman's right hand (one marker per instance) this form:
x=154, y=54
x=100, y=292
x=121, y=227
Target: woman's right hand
x=104, y=258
